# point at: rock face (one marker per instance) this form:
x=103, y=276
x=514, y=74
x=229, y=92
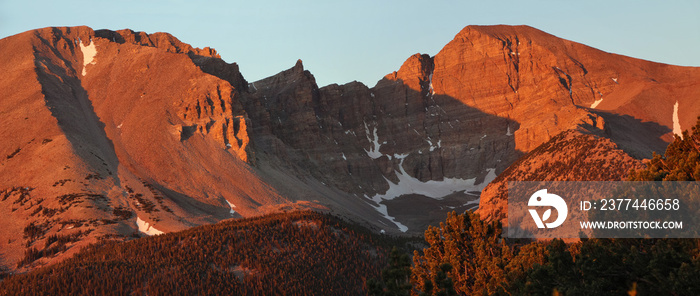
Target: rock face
x=110, y=133
x=116, y=134
x=572, y=155
x=487, y=98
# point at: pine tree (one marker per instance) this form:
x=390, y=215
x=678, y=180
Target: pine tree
x=395, y=277
x=474, y=250
x=681, y=162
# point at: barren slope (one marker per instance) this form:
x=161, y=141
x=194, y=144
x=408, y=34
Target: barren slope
x=119, y=134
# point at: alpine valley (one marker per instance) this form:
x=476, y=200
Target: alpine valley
x=115, y=135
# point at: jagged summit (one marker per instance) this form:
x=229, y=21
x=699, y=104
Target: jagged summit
x=117, y=134
x=299, y=65
x=160, y=40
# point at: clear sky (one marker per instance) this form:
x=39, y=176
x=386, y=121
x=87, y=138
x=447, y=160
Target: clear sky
x=363, y=40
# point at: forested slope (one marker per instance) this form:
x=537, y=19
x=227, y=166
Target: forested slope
x=299, y=253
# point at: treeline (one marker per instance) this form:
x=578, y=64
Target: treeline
x=468, y=256
x=299, y=253
x=308, y=253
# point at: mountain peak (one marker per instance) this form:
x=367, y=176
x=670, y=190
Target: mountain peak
x=159, y=132
x=496, y=30
x=299, y=66
x=160, y=40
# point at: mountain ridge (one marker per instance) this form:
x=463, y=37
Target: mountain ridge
x=147, y=131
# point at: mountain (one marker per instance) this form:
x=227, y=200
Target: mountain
x=439, y=129
x=112, y=135
x=571, y=155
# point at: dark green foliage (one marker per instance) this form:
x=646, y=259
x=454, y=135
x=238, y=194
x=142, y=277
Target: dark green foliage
x=300, y=253
x=681, y=162
x=143, y=203
x=475, y=251
x=472, y=261
x=122, y=213
x=306, y=253
x=30, y=255
x=614, y=267
x=61, y=182
x=11, y=155
x=93, y=176
x=33, y=231
x=24, y=194
x=71, y=199
x=395, y=277
x=53, y=245
x=587, y=267
x=445, y=286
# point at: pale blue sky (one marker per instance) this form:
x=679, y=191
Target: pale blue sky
x=363, y=40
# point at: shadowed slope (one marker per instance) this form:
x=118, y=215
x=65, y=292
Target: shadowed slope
x=109, y=133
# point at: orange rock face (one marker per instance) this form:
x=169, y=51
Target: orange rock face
x=488, y=97
x=572, y=155
x=105, y=131
x=143, y=134
x=547, y=84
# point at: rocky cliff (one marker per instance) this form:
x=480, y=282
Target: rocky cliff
x=112, y=134
x=119, y=134
x=573, y=155
x=441, y=127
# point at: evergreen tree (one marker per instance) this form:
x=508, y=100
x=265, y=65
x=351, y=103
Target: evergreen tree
x=395, y=277
x=474, y=251
x=681, y=162
x=445, y=286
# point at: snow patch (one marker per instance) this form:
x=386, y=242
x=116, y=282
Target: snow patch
x=373, y=151
x=146, y=228
x=89, y=53
x=430, y=86
x=472, y=202
x=434, y=189
x=231, y=206
x=344, y=158
x=595, y=104
x=676, y=122
x=433, y=146
x=401, y=156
